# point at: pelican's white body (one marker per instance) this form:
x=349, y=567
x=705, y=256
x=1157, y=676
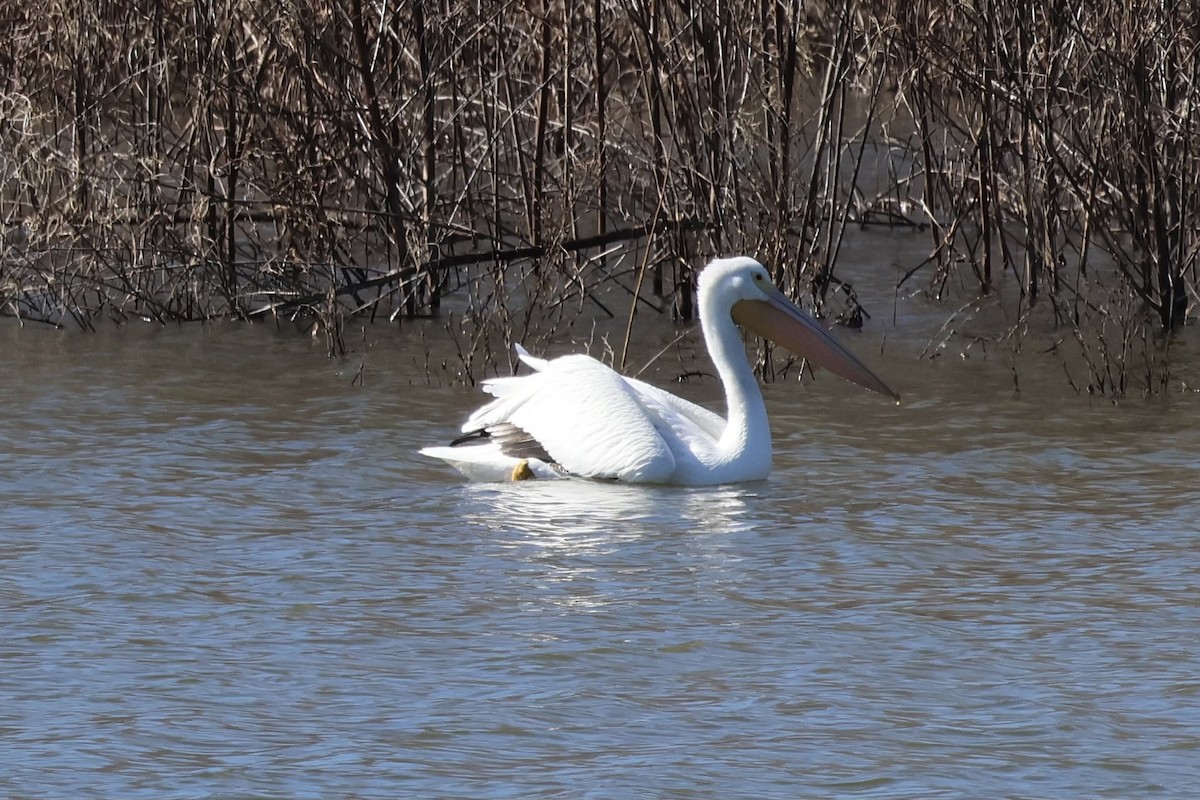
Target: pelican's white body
x=596, y=423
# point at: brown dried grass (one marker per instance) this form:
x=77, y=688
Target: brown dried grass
x=512, y=161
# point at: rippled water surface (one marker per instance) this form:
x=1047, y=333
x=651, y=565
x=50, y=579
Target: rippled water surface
x=225, y=573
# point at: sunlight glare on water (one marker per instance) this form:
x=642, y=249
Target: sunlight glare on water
x=226, y=573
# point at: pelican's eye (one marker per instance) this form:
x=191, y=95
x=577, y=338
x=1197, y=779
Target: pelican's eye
x=759, y=277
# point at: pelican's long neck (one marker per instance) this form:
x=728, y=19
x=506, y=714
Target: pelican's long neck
x=747, y=432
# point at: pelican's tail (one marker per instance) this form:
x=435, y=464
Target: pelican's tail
x=485, y=462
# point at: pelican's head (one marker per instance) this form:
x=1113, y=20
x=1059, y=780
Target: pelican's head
x=742, y=287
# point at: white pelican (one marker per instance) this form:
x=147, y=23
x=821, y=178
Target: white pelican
x=573, y=416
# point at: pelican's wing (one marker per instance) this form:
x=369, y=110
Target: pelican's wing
x=686, y=418
x=588, y=418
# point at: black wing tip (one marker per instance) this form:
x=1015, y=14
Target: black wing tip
x=470, y=436
x=513, y=441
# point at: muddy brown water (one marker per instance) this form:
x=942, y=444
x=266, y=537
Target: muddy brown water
x=224, y=572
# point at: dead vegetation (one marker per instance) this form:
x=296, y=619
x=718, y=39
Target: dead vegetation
x=510, y=164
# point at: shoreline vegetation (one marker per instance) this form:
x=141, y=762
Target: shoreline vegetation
x=509, y=165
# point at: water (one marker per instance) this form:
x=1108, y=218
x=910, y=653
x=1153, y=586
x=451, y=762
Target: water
x=224, y=573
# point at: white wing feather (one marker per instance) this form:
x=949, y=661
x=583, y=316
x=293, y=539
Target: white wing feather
x=706, y=423
x=590, y=420
x=689, y=420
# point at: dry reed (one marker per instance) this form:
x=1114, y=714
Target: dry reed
x=509, y=161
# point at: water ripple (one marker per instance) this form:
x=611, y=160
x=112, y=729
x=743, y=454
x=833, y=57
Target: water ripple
x=212, y=588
